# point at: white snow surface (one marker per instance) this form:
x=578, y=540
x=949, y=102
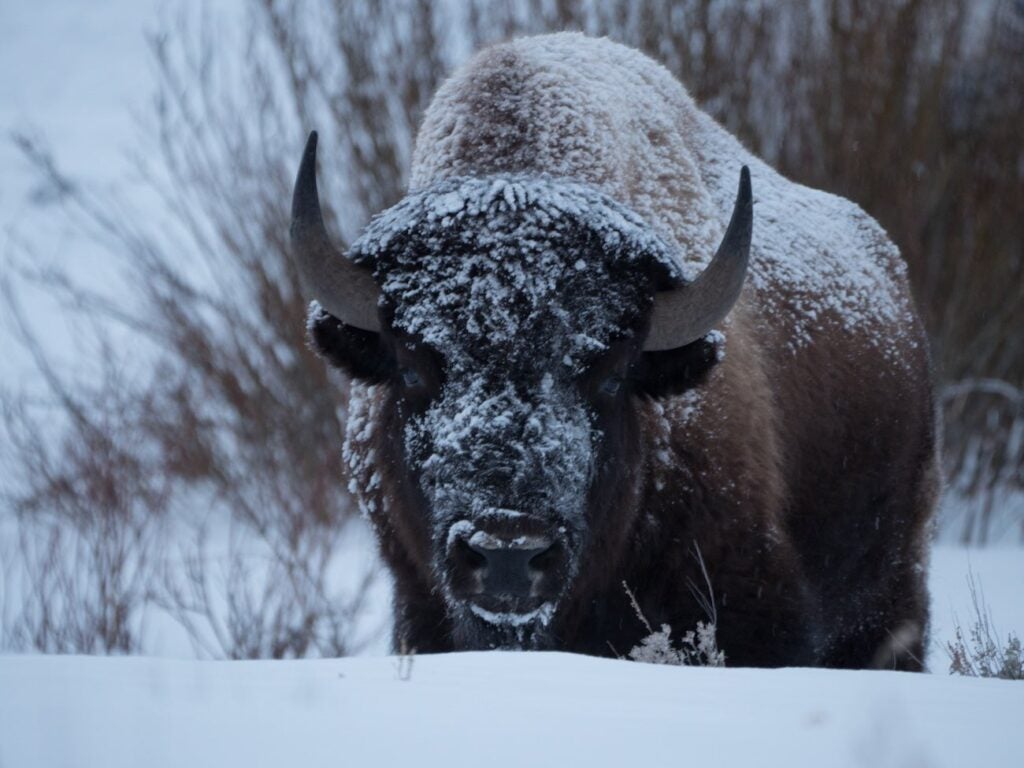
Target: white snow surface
x=507, y=708
x=495, y=709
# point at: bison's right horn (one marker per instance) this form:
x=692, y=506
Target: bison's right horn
x=686, y=314
x=344, y=289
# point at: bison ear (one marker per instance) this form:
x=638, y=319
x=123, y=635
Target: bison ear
x=361, y=354
x=673, y=371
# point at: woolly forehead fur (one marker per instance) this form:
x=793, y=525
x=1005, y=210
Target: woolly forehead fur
x=484, y=257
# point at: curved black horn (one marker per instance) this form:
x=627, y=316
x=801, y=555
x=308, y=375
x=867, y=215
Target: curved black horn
x=344, y=289
x=686, y=314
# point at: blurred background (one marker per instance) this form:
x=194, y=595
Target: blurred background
x=172, y=479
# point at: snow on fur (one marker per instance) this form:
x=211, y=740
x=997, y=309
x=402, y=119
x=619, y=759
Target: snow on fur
x=517, y=282
x=594, y=111
x=514, y=237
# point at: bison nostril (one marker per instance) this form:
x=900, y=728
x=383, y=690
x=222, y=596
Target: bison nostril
x=470, y=556
x=545, y=559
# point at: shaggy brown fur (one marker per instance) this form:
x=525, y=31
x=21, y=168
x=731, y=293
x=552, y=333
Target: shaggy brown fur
x=801, y=468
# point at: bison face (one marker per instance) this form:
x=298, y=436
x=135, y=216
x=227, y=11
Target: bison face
x=514, y=325
x=511, y=347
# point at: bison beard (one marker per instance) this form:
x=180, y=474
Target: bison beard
x=524, y=434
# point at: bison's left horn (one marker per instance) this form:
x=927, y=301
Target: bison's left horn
x=344, y=289
x=688, y=313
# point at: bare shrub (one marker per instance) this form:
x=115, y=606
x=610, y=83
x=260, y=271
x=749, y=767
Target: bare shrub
x=264, y=597
x=404, y=660
x=87, y=521
x=981, y=651
x=225, y=413
x=986, y=475
x=695, y=648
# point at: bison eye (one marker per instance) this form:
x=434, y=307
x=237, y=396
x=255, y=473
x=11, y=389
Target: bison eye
x=411, y=378
x=611, y=386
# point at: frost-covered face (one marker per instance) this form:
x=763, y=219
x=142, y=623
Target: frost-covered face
x=514, y=318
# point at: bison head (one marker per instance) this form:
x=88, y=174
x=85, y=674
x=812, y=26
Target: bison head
x=515, y=322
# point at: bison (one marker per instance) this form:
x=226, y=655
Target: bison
x=582, y=405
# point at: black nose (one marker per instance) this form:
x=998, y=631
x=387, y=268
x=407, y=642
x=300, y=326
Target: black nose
x=510, y=570
x=505, y=569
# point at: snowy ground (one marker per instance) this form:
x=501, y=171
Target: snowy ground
x=494, y=709
x=499, y=709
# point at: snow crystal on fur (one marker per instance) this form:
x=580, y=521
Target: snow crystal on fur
x=359, y=458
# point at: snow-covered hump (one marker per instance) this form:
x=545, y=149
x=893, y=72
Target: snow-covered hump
x=593, y=110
